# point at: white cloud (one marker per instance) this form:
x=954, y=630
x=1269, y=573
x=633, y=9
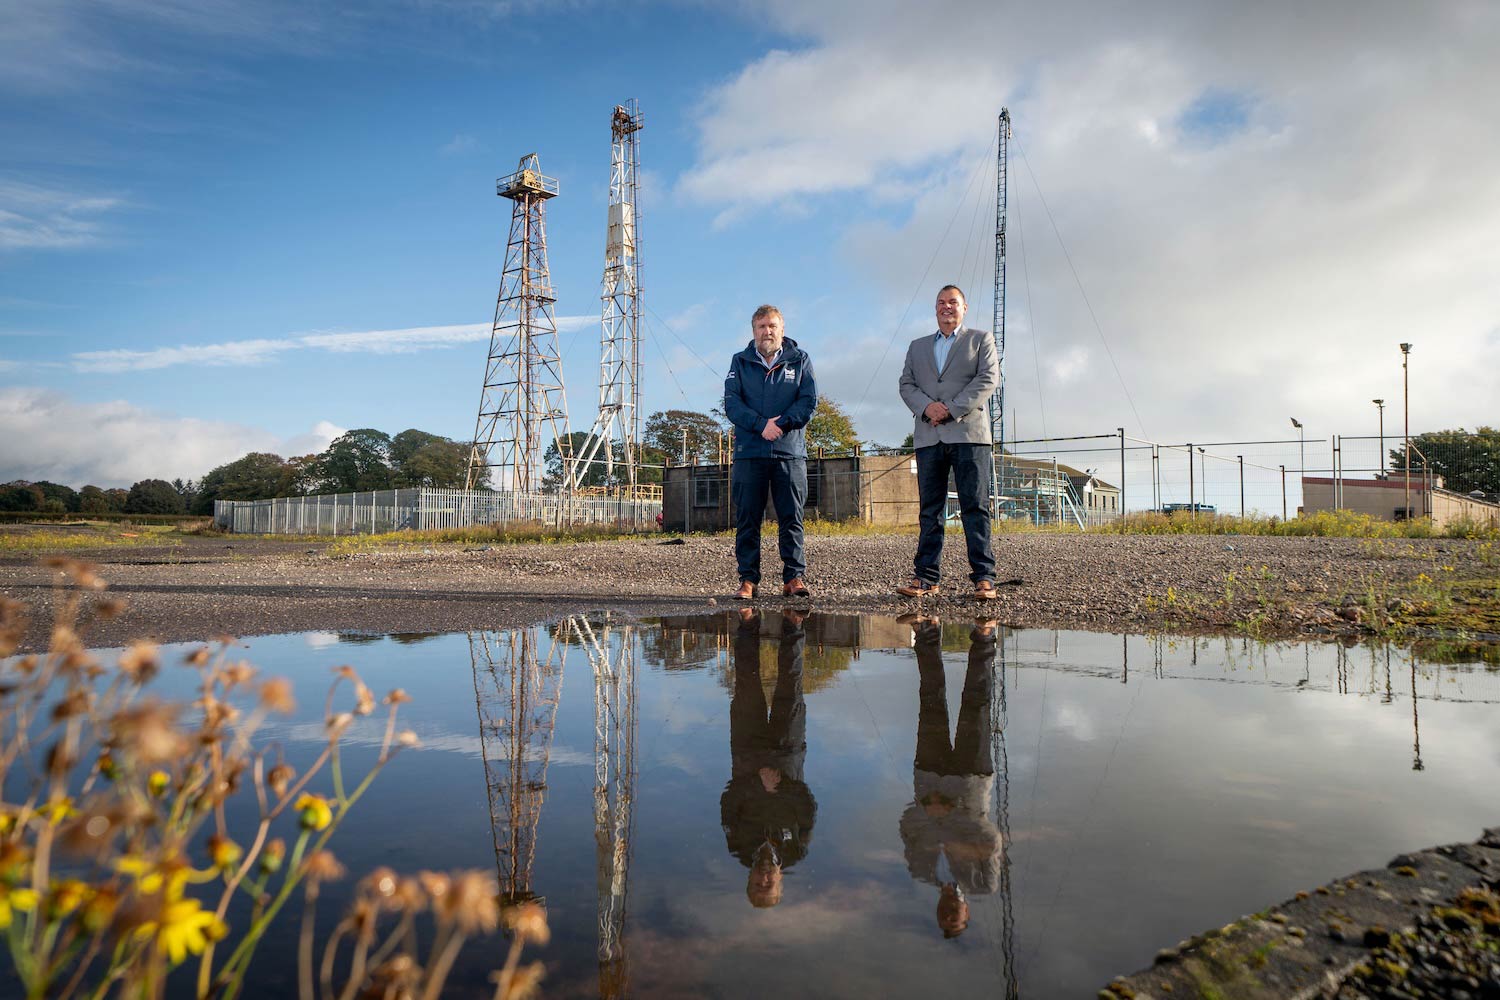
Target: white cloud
x=241, y=352
x=33, y=217
x=1224, y=183
x=52, y=436
x=1073, y=363
x=257, y=351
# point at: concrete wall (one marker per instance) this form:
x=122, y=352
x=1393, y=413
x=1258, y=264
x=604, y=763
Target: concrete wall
x=1383, y=498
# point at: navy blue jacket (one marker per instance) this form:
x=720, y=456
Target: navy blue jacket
x=753, y=394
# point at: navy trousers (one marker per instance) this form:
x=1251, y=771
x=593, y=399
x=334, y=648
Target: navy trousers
x=784, y=480
x=971, y=465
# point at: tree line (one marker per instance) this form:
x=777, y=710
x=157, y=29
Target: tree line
x=369, y=459
x=363, y=459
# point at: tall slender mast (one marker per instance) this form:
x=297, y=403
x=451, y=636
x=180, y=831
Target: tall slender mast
x=523, y=382
x=997, y=398
x=619, y=341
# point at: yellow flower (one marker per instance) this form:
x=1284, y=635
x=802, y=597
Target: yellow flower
x=315, y=812
x=184, y=927
x=56, y=811
x=172, y=873
x=23, y=900
x=225, y=852
x=65, y=896
x=157, y=783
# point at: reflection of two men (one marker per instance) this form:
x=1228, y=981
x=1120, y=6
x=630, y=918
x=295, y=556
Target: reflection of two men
x=950, y=840
x=767, y=810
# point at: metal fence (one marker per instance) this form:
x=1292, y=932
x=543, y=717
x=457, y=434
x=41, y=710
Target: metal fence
x=1089, y=480
x=378, y=511
x=1264, y=477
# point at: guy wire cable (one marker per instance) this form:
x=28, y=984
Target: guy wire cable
x=920, y=283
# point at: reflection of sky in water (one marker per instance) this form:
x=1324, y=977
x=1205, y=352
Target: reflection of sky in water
x=1155, y=789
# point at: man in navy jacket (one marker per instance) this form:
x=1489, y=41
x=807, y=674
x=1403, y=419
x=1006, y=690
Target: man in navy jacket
x=769, y=396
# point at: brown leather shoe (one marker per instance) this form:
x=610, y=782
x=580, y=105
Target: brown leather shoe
x=918, y=587
x=746, y=591
x=795, y=588
x=984, y=590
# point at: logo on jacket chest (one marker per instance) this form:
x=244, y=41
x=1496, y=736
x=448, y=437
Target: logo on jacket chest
x=789, y=374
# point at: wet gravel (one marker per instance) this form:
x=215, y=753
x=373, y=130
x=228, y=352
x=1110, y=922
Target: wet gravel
x=245, y=585
x=1453, y=953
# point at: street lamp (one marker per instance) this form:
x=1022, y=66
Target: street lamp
x=1380, y=405
x=1406, y=412
x=1203, y=461
x=1301, y=459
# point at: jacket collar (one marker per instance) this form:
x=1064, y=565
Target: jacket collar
x=789, y=350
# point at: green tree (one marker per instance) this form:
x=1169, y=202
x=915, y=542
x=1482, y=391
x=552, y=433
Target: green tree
x=1466, y=461
x=663, y=435
x=117, y=499
x=357, y=460
x=92, y=500
x=422, y=459
x=552, y=475
x=20, y=495
x=154, y=496
x=65, y=495
x=830, y=428
x=256, y=476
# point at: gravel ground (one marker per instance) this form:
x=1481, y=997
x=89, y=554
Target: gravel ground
x=244, y=585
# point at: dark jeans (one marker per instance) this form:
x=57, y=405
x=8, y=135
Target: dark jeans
x=971, y=465
x=969, y=751
x=758, y=737
x=785, y=481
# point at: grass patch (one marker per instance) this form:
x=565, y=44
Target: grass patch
x=1324, y=523
x=513, y=533
x=89, y=535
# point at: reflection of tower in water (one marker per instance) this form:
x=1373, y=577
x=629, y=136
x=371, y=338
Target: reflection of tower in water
x=614, y=786
x=516, y=695
x=1002, y=817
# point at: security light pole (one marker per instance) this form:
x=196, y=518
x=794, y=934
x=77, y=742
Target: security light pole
x=1203, y=459
x=1380, y=405
x=1301, y=461
x=1406, y=416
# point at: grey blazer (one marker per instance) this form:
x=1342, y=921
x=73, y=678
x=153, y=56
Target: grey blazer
x=964, y=385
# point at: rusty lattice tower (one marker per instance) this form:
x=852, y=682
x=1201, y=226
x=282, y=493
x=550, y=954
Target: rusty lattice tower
x=522, y=403
x=516, y=693
x=618, y=422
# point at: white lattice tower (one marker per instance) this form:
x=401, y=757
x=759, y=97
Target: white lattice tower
x=522, y=404
x=614, y=668
x=516, y=695
x=619, y=343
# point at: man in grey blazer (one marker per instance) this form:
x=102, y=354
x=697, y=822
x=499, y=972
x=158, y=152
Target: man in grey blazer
x=946, y=383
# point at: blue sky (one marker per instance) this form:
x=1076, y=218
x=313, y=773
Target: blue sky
x=245, y=226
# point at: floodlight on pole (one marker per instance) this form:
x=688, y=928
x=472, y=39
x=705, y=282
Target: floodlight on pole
x=1301, y=455
x=1406, y=417
x=1380, y=405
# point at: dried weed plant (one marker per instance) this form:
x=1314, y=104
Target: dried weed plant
x=117, y=866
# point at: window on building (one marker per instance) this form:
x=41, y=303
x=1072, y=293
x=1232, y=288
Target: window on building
x=706, y=491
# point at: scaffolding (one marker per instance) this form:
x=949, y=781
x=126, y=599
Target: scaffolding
x=522, y=398
x=617, y=424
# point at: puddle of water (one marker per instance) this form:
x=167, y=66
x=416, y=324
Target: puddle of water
x=842, y=806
